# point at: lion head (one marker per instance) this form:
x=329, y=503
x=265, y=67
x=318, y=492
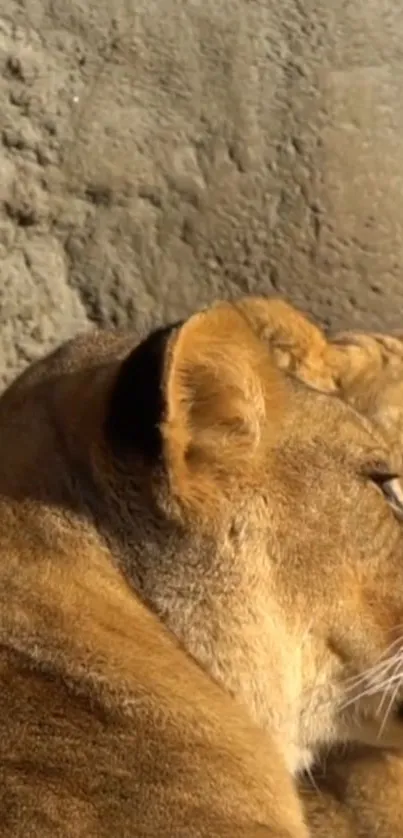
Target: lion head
x=254, y=513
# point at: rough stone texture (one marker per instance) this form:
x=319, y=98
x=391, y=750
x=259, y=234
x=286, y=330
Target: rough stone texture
x=157, y=153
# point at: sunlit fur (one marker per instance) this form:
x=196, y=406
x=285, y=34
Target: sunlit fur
x=355, y=791
x=189, y=616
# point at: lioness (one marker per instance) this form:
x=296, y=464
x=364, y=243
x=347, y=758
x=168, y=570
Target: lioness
x=360, y=789
x=201, y=566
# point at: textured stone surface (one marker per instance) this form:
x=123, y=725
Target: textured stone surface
x=157, y=153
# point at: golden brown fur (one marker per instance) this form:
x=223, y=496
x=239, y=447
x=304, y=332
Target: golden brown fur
x=195, y=558
x=359, y=789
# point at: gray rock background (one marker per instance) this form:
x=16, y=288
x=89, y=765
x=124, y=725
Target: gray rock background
x=156, y=154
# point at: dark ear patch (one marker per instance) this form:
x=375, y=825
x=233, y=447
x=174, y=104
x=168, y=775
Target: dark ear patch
x=137, y=403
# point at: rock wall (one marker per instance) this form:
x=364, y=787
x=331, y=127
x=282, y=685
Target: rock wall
x=156, y=154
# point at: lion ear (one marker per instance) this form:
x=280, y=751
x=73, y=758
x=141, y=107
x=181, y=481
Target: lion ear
x=201, y=396
x=224, y=397
x=136, y=403
x=370, y=375
x=296, y=344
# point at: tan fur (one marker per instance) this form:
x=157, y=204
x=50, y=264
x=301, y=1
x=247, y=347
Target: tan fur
x=177, y=628
x=356, y=792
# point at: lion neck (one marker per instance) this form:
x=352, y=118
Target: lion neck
x=205, y=592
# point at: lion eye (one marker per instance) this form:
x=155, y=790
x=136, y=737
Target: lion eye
x=392, y=488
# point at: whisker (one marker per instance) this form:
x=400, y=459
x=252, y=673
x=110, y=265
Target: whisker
x=383, y=678
x=373, y=689
x=310, y=777
x=388, y=709
x=383, y=698
x=385, y=659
